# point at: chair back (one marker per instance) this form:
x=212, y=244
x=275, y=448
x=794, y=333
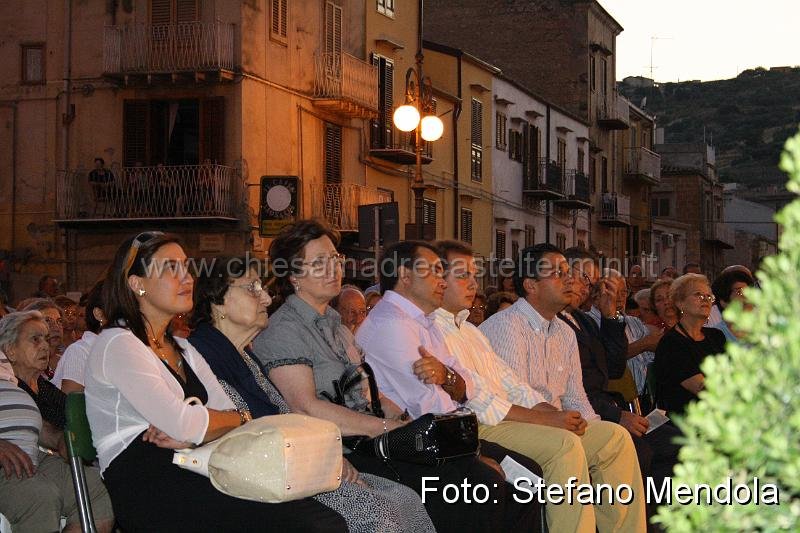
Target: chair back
x=77, y=433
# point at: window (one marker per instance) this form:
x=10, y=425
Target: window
x=530, y=153
x=333, y=29
x=500, y=244
x=476, y=134
x=466, y=225
x=32, y=64
x=635, y=240
x=660, y=207
x=515, y=145
x=173, y=11
x=604, y=173
x=561, y=241
x=514, y=249
x=333, y=153
x=381, y=128
x=530, y=236
x=604, y=79
x=593, y=72
x=386, y=7
x=561, y=154
x=279, y=21
x=429, y=211
x=581, y=161
x=593, y=174
x=387, y=192
x=500, y=123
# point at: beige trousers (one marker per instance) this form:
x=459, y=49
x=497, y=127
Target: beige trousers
x=605, y=452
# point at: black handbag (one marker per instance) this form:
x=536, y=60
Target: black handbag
x=432, y=439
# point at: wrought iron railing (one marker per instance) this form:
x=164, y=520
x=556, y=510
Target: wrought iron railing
x=549, y=178
x=166, y=48
x=342, y=76
x=643, y=162
x=613, y=108
x=576, y=186
x=152, y=192
x=338, y=203
x=615, y=208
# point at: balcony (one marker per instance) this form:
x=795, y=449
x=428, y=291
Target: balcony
x=615, y=210
x=613, y=112
x=546, y=183
x=338, y=203
x=185, y=192
x=188, y=51
x=576, y=191
x=720, y=234
x=391, y=144
x=642, y=164
x=346, y=86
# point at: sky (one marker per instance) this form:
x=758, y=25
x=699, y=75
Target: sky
x=704, y=39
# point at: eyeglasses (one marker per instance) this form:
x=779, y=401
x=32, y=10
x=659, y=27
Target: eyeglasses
x=478, y=307
x=53, y=321
x=255, y=288
x=137, y=243
x=558, y=274
x=710, y=298
x=318, y=263
x=739, y=291
x=584, y=277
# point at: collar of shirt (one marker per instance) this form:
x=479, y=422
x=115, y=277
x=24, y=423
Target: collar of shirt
x=594, y=312
x=408, y=307
x=445, y=318
x=537, y=321
x=311, y=315
x=571, y=318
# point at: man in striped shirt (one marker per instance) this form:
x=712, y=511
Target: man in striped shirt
x=543, y=352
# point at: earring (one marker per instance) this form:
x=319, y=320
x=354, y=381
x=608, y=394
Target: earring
x=222, y=317
x=296, y=287
x=142, y=292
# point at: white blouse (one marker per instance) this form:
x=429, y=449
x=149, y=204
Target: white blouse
x=72, y=365
x=128, y=388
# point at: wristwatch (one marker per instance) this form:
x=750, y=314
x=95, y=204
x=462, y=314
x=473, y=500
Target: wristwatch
x=618, y=317
x=449, y=377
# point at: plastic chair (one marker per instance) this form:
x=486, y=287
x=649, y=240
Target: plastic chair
x=626, y=386
x=78, y=437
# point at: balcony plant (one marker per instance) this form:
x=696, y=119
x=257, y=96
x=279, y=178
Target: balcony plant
x=747, y=422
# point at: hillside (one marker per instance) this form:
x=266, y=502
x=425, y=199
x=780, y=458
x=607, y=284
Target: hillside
x=747, y=119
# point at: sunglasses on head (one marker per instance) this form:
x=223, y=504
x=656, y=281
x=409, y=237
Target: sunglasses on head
x=137, y=243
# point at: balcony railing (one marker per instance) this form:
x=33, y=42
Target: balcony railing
x=185, y=191
x=546, y=184
x=613, y=112
x=643, y=163
x=576, y=191
x=338, y=203
x=615, y=209
x=720, y=233
x=391, y=144
x=169, y=48
x=346, y=85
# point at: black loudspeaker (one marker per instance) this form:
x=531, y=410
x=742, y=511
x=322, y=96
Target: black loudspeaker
x=388, y=224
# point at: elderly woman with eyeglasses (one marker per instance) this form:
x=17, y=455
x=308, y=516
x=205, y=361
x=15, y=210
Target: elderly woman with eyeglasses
x=683, y=348
x=138, y=381
x=35, y=487
x=230, y=310
x=54, y=317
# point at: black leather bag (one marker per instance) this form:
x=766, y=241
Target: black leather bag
x=431, y=439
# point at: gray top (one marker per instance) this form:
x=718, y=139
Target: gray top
x=298, y=335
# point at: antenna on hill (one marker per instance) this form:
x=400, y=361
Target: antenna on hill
x=653, y=40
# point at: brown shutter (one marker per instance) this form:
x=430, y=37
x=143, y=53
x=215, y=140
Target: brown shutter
x=333, y=153
x=466, y=225
x=134, y=132
x=533, y=152
x=387, y=98
x=333, y=28
x=160, y=11
x=500, y=244
x=186, y=11
x=212, y=122
x=280, y=16
x=477, y=122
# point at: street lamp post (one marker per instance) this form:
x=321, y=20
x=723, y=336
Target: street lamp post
x=417, y=113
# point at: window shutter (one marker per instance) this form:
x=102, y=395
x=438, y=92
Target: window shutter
x=429, y=212
x=333, y=153
x=477, y=122
x=160, y=11
x=500, y=244
x=524, y=152
x=466, y=225
x=387, y=100
x=213, y=123
x=186, y=11
x=280, y=16
x=333, y=28
x=134, y=132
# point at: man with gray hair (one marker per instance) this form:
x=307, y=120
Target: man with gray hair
x=352, y=306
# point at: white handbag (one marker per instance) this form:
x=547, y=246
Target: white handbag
x=271, y=459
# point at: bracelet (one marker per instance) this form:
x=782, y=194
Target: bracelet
x=385, y=428
x=450, y=377
x=244, y=416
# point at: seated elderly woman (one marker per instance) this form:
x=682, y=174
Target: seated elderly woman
x=666, y=316
x=36, y=487
x=138, y=379
x=54, y=317
x=683, y=348
x=307, y=352
x=231, y=309
x=69, y=375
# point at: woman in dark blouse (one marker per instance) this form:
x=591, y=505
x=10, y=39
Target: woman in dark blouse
x=683, y=348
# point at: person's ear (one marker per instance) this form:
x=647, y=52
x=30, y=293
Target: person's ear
x=529, y=284
x=404, y=275
x=136, y=284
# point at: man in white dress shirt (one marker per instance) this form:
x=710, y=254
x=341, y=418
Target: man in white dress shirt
x=543, y=352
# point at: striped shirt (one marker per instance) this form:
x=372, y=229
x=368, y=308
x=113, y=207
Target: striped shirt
x=20, y=421
x=543, y=353
x=497, y=388
x=635, y=330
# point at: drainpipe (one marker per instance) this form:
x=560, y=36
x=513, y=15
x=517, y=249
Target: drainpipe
x=546, y=168
x=13, y=106
x=67, y=116
x=456, y=194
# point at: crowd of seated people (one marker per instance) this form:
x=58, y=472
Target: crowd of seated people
x=538, y=362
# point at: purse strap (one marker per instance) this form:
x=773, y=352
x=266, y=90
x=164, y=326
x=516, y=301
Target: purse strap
x=374, y=394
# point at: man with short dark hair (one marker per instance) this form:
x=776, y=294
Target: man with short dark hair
x=48, y=287
x=542, y=350
x=692, y=268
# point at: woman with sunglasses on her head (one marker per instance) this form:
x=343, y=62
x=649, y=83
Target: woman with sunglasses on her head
x=137, y=380
x=230, y=310
x=683, y=348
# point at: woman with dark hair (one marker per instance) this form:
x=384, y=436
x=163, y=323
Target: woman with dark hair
x=230, y=309
x=499, y=301
x=683, y=348
x=69, y=375
x=309, y=353
x=662, y=305
x=728, y=288
x=137, y=382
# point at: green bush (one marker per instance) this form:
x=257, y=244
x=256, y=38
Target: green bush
x=747, y=422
